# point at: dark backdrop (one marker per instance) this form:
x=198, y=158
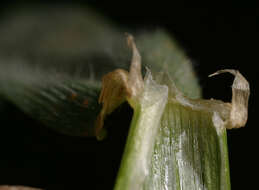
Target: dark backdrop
x=214, y=38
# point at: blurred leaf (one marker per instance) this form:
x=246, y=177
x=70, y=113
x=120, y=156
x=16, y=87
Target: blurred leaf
x=51, y=64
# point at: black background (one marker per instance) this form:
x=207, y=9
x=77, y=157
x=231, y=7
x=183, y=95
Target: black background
x=214, y=38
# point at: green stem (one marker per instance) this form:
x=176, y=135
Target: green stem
x=142, y=135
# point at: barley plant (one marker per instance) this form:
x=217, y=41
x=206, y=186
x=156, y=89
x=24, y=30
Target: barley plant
x=71, y=68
